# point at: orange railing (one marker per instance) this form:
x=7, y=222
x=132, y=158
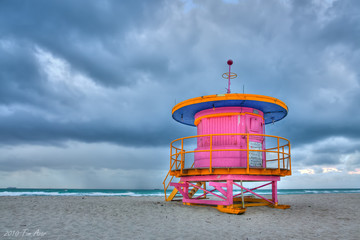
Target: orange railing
x=281, y=150
x=167, y=182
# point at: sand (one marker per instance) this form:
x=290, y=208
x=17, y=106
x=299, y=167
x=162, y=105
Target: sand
x=318, y=216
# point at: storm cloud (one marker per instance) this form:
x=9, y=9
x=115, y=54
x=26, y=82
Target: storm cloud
x=88, y=86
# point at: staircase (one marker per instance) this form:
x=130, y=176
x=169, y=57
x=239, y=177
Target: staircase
x=167, y=184
x=194, y=189
x=190, y=194
x=176, y=162
x=175, y=191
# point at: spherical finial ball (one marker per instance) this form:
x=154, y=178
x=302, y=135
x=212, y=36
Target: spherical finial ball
x=230, y=62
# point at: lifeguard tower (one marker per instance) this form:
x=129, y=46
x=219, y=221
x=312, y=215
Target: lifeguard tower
x=230, y=150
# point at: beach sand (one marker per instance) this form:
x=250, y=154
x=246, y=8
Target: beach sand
x=317, y=216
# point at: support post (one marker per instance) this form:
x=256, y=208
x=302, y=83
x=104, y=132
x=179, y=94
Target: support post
x=171, y=156
x=248, y=155
x=229, y=189
x=274, y=193
x=182, y=156
x=204, y=187
x=242, y=194
x=283, y=156
x=186, y=190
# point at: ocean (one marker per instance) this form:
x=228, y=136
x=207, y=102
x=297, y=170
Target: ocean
x=147, y=192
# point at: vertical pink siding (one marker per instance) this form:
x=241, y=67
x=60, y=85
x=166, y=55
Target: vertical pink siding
x=239, y=123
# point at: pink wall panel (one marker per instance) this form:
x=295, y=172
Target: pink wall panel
x=243, y=122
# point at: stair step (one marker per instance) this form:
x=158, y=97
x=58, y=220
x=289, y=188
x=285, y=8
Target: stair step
x=194, y=189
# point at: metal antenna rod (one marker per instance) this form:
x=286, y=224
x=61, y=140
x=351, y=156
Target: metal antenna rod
x=229, y=75
x=229, y=62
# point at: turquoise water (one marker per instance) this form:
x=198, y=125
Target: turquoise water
x=145, y=192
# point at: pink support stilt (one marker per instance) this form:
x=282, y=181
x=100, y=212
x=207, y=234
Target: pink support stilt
x=224, y=185
x=274, y=192
x=230, y=191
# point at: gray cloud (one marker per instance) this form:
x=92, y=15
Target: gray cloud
x=89, y=35
x=77, y=156
x=110, y=72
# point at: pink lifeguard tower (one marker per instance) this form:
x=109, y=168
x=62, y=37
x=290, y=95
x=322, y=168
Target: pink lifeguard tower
x=230, y=150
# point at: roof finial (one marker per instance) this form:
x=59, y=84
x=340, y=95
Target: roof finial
x=229, y=75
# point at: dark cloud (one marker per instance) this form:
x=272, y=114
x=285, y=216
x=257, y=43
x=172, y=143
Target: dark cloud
x=72, y=155
x=110, y=71
x=90, y=35
x=21, y=80
x=344, y=28
x=36, y=130
x=116, y=44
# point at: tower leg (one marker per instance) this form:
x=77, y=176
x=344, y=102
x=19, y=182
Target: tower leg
x=275, y=198
x=221, y=192
x=229, y=189
x=274, y=193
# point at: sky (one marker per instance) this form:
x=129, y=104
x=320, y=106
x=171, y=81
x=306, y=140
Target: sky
x=87, y=87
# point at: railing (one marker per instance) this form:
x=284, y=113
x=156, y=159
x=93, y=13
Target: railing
x=177, y=165
x=278, y=154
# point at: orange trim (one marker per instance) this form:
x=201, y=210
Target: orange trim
x=254, y=114
x=229, y=96
x=197, y=120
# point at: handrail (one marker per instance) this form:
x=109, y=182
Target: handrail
x=286, y=145
x=279, y=150
x=164, y=182
x=210, y=165
x=230, y=134
x=289, y=156
x=166, y=186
